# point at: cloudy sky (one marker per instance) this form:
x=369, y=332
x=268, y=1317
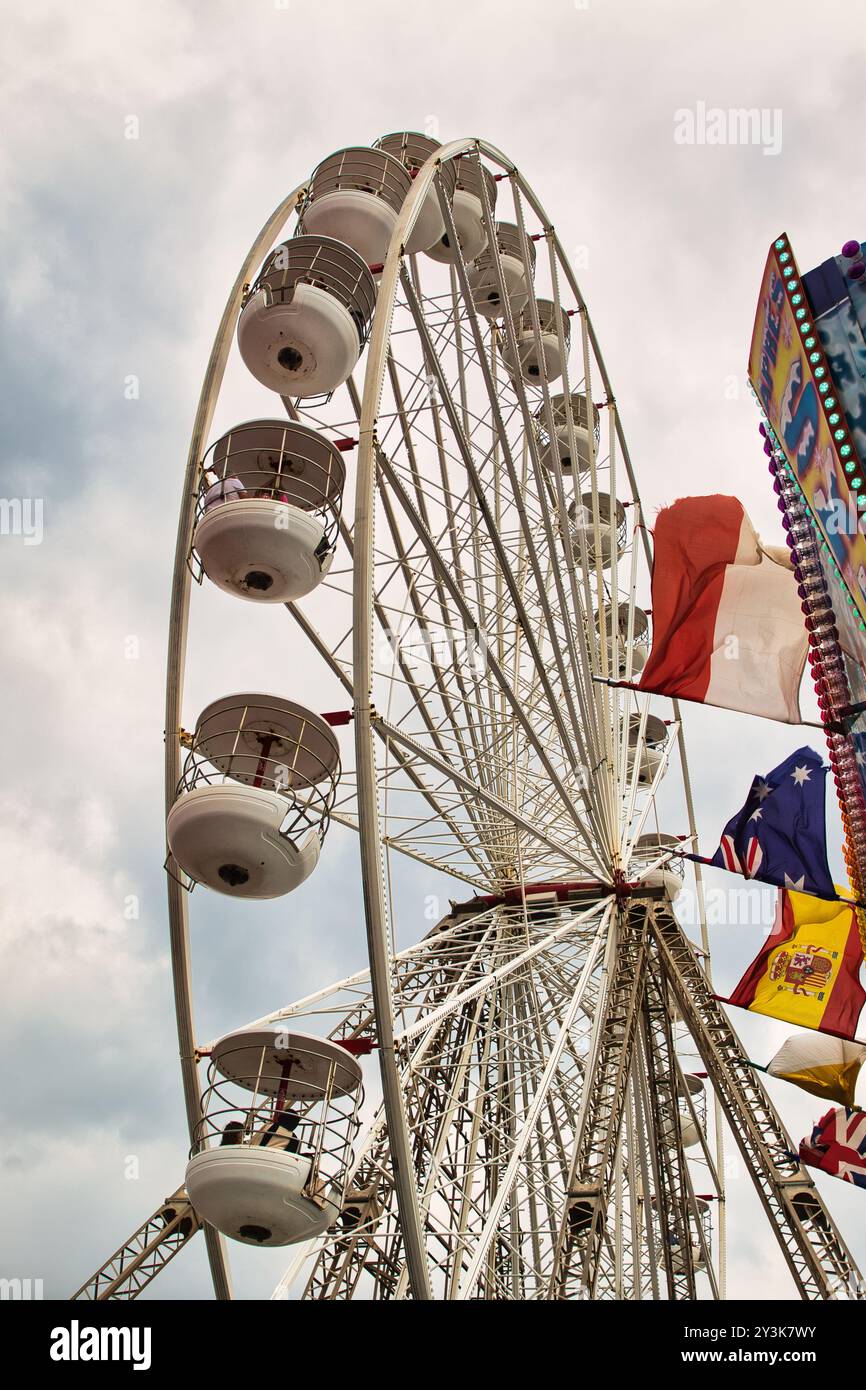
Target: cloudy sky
x=118, y=253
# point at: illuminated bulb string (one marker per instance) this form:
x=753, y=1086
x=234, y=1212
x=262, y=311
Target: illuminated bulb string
x=825, y=660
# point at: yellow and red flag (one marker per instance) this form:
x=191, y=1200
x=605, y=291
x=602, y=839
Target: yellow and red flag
x=808, y=970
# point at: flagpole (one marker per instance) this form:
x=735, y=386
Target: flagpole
x=834, y=726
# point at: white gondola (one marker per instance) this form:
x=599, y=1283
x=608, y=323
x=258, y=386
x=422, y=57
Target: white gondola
x=269, y=510
x=647, y=850
x=539, y=359
x=561, y=442
x=582, y=518
x=689, y=1132
x=356, y=196
x=271, y=1152
x=484, y=281
x=413, y=151
x=468, y=209
x=698, y=1258
x=635, y=642
x=306, y=318
x=678, y=1259
x=672, y=1239
x=652, y=752
x=692, y=1126
x=253, y=802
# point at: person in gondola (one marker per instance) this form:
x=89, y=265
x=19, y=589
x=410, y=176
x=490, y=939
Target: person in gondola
x=229, y=489
x=279, y=1133
x=273, y=494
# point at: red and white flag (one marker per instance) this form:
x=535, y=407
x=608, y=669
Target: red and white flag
x=728, y=628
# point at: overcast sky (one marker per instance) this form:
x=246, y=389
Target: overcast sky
x=118, y=254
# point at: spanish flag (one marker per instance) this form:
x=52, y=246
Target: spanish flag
x=824, y=1066
x=808, y=971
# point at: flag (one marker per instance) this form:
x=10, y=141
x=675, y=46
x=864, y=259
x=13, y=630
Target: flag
x=727, y=622
x=779, y=835
x=837, y=1145
x=359, y=1047
x=808, y=970
x=826, y=1066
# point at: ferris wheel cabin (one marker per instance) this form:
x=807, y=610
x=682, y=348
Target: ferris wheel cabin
x=652, y=753
x=611, y=530
x=271, y=1153
x=628, y=639
x=268, y=510
x=413, y=151
x=672, y=1239
x=484, y=281
x=689, y=1122
x=306, y=319
x=692, y=1126
x=254, y=798
x=696, y=1257
x=647, y=852
x=542, y=359
x=356, y=196
x=571, y=437
x=468, y=211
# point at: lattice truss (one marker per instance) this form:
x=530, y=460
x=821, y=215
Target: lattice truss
x=543, y=1048
x=544, y=1058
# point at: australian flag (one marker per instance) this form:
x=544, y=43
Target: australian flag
x=779, y=836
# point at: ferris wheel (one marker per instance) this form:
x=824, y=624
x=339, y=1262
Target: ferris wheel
x=529, y=1102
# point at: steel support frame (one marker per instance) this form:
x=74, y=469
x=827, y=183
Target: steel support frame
x=148, y=1250
x=596, y=1150
x=816, y=1254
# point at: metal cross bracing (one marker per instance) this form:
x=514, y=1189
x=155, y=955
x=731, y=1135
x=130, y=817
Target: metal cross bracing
x=582, y=1232
x=492, y=1069
x=672, y=1202
x=651, y=1210
x=148, y=1250
x=819, y=1260
x=532, y=1177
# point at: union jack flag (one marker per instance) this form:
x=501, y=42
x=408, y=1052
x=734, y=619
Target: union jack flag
x=751, y=861
x=837, y=1145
